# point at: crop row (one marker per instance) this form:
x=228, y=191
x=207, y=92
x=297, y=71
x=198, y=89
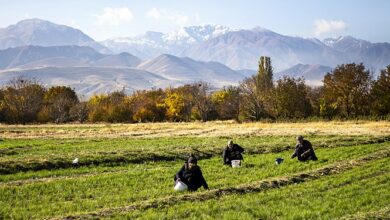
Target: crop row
x=18, y=155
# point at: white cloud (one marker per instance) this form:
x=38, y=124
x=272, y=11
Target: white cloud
x=175, y=17
x=114, y=16
x=323, y=26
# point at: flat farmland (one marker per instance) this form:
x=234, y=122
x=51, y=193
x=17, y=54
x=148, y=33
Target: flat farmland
x=126, y=171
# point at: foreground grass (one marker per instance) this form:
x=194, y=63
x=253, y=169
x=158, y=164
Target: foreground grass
x=362, y=189
x=150, y=181
x=129, y=165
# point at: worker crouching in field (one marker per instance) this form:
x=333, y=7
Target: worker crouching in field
x=304, y=150
x=191, y=175
x=232, y=152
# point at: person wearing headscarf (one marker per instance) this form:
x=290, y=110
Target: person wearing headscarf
x=191, y=175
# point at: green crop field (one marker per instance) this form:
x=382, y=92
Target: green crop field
x=126, y=171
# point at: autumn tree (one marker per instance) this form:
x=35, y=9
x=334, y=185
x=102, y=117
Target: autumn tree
x=113, y=107
x=291, y=98
x=381, y=93
x=188, y=100
x=315, y=95
x=79, y=112
x=227, y=103
x=175, y=105
x=2, y=106
x=23, y=100
x=98, y=107
x=201, y=95
x=347, y=89
x=59, y=100
x=119, y=109
x=148, y=106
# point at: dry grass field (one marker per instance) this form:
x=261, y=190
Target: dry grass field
x=208, y=129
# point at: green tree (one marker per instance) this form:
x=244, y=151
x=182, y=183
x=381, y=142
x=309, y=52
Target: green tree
x=257, y=92
x=381, y=93
x=315, y=95
x=265, y=74
x=347, y=88
x=2, y=106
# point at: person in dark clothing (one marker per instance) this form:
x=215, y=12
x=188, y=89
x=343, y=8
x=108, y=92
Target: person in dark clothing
x=232, y=152
x=303, y=150
x=191, y=175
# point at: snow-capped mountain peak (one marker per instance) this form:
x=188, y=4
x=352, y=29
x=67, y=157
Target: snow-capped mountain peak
x=195, y=34
x=152, y=44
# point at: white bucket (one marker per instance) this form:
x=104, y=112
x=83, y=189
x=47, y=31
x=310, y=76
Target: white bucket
x=236, y=163
x=180, y=186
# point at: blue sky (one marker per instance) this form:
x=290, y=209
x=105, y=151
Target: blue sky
x=364, y=19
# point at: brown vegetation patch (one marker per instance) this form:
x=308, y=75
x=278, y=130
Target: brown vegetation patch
x=199, y=129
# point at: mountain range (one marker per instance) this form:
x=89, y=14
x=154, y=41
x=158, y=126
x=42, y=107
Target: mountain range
x=241, y=49
x=90, y=72
x=58, y=54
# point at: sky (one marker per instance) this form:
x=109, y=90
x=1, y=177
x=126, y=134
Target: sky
x=103, y=19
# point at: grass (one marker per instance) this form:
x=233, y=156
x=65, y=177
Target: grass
x=48, y=154
x=87, y=193
x=37, y=180
x=362, y=189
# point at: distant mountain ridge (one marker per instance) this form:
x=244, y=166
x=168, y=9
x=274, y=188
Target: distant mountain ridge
x=38, y=56
x=187, y=70
x=375, y=56
x=88, y=81
x=90, y=72
x=313, y=74
x=44, y=33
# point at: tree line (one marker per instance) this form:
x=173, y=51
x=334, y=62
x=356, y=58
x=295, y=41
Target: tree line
x=349, y=91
